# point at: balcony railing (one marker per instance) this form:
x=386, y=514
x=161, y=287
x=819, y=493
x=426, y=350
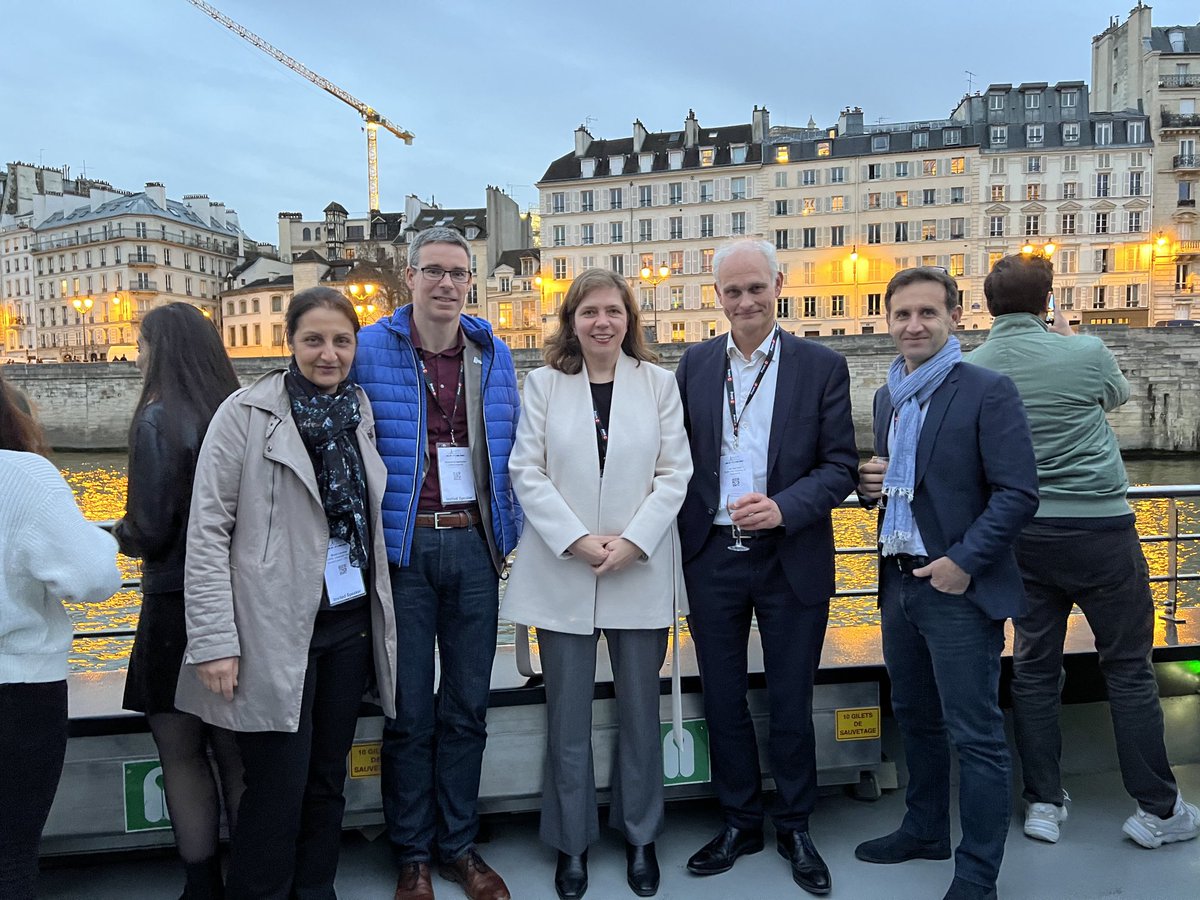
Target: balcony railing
x=142, y=259
x=1180, y=120
x=143, y=287
x=1190, y=161
x=118, y=232
x=1180, y=81
x=1189, y=247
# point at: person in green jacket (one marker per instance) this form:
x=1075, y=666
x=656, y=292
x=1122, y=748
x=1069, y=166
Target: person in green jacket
x=1081, y=548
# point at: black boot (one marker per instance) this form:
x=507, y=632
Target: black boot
x=204, y=880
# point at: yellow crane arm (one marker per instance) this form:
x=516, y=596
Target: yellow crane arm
x=323, y=83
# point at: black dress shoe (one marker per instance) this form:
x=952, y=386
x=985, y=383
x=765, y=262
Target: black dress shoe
x=641, y=869
x=570, y=876
x=808, y=869
x=899, y=847
x=719, y=854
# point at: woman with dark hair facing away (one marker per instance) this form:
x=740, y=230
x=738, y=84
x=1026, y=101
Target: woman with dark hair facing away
x=48, y=553
x=288, y=603
x=601, y=465
x=186, y=375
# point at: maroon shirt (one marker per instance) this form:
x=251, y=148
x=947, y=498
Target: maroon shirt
x=442, y=418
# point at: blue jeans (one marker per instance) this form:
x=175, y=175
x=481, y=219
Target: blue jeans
x=943, y=659
x=433, y=749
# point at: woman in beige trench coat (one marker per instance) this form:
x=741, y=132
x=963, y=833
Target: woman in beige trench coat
x=601, y=466
x=287, y=597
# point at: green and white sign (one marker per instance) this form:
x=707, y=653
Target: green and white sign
x=145, y=800
x=689, y=763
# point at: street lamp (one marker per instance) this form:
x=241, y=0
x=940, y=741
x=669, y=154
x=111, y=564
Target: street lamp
x=854, y=267
x=362, y=294
x=83, y=306
x=1047, y=249
x=648, y=277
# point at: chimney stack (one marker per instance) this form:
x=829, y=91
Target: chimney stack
x=157, y=192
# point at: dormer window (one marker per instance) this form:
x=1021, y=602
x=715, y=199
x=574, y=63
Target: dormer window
x=782, y=153
x=471, y=232
x=645, y=162
x=616, y=165
x=675, y=159
x=587, y=168
x=707, y=156
x=737, y=153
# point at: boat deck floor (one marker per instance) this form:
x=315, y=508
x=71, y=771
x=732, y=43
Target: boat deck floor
x=1092, y=860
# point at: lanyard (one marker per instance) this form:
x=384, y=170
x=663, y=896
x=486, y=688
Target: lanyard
x=434, y=395
x=734, y=417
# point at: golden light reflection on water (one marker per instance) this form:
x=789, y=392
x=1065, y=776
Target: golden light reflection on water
x=99, y=483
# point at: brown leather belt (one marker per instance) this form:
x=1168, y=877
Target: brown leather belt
x=458, y=518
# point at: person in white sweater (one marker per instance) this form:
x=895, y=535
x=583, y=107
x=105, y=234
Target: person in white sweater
x=48, y=553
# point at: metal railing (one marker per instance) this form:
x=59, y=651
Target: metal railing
x=1181, y=81
x=1185, y=161
x=1180, y=120
x=1172, y=538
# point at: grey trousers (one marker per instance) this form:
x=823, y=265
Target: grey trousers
x=570, y=821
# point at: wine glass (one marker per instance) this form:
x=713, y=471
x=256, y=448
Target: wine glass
x=737, y=546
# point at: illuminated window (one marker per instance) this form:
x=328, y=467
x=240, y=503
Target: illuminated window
x=824, y=148
x=707, y=155
x=929, y=167
x=958, y=165
x=781, y=153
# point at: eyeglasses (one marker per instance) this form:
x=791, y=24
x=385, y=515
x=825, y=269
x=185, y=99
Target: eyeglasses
x=437, y=273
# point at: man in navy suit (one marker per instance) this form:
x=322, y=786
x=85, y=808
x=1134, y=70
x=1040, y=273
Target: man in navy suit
x=956, y=473
x=768, y=418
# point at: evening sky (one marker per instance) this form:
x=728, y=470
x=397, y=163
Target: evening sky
x=154, y=90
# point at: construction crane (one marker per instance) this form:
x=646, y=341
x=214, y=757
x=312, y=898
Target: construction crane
x=374, y=120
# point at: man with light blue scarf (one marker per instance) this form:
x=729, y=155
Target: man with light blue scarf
x=955, y=472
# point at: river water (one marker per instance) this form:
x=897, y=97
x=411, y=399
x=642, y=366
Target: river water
x=99, y=483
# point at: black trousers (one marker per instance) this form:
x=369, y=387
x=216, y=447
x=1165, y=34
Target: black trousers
x=1105, y=574
x=33, y=742
x=290, y=821
x=724, y=590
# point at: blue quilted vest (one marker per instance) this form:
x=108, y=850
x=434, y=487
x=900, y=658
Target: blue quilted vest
x=386, y=367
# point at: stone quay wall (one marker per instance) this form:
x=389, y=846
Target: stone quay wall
x=87, y=406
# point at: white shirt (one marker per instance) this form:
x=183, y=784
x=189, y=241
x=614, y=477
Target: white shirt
x=754, y=422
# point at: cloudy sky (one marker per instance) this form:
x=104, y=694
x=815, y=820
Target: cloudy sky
x=154, y=90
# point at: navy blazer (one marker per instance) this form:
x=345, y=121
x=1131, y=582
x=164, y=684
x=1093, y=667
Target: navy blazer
x=812, y=461
x=976, y=481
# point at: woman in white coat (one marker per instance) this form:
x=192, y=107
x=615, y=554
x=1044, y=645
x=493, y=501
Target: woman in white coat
x=601, y=466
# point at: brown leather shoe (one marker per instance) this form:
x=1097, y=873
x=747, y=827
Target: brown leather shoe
x=414, y=883
x=479, y=880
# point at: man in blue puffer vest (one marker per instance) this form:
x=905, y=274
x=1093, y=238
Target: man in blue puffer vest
x=444, y=393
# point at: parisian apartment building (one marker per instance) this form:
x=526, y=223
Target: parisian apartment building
x=98, y=259
x=1103, y=179
x=1157, y=69
x=1015, y=167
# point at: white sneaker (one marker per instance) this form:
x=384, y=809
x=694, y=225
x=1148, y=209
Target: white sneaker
x=1150, y=831
x=1042, y=820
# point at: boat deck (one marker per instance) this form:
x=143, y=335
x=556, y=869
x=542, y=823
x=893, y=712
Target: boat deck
x=1092, y=860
